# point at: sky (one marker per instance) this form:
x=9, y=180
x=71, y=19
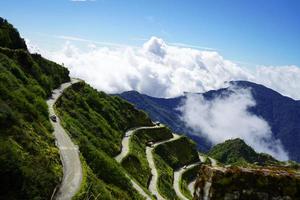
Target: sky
x=165, y=48
x=248, y=32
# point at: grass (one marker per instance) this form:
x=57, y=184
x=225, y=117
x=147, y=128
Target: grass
x=169, y=157
x=165, y=178
x=136, y=162
x=178, y=157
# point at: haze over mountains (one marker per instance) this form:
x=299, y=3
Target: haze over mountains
x=278, y=118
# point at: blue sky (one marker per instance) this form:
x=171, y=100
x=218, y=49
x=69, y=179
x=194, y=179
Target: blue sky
x=255, y=32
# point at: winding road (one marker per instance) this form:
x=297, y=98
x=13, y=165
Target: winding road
x=154, y=179
x=72, y=170
x=149, y=154
x=177, y=178
x=125, y=151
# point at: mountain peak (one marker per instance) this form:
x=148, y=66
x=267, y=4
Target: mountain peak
x=10, y=37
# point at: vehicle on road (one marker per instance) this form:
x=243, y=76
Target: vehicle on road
x=149, y=144
x=53, y=118
x=157, y=123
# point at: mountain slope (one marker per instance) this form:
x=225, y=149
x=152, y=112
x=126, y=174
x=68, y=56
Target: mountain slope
x=10, y=37
x=30, y=166
x=236, y=151
x=282, y=114
x=97, y=123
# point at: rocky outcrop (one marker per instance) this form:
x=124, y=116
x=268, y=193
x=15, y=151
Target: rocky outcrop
x=257, y=183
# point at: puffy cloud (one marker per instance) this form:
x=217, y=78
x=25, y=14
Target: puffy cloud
x=283, y=79
x=163, y=70
x=227, y=117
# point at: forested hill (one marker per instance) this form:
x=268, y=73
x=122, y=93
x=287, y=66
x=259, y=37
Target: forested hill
x=10, y=37
x=30, y=166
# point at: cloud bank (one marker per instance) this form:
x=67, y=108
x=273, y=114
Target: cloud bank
x=163, y=70
x=227, y=117
x=166, y=70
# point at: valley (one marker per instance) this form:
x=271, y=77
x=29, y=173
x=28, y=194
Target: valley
x=63, y=139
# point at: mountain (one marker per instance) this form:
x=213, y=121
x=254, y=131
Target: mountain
x=236, y=151
x=10, y=37
x=30, y=166
x=282, y=113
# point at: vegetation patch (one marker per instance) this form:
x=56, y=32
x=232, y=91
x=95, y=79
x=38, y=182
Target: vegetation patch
x=237, y=152
x=136, y=161
x=178, y=157
x=165, y=178
x=30, y=166
x=97, y=122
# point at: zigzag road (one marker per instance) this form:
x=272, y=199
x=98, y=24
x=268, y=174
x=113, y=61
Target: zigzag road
x=125, y=151
x=149, y=154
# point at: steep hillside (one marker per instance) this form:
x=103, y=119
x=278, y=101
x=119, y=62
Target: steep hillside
x=97, y=122
x=170, y=156
x=10, y=37
x=247, y=183
x=136, y=162
x=281, y=113
x=30, y=166
x=165, y=111
x=236, y=151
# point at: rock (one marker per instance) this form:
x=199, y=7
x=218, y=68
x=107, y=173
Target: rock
x=251, y=183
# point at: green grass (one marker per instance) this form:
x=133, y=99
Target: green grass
x=97, y=122
x=178, y=157
x=169, y=157
x=165, y=178
x=136, y=162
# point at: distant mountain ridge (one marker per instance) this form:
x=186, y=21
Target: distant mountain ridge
x=282, y=113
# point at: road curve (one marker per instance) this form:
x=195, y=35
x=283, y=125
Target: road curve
x=153, y=182
x=177, y=177
x=125, y=151
x=72, y=170
x=126, y=139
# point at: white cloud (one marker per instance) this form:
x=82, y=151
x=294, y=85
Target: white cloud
x=227, y=117
x=163, y=70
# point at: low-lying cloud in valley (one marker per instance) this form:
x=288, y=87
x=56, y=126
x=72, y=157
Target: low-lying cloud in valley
x=163, y=70
x=227, y=117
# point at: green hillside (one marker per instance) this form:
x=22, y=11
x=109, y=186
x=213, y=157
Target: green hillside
x=30, y=165
x=169, y=157
x=236, y=151
x=136, y=161
x=97, y=122
x=10, y=37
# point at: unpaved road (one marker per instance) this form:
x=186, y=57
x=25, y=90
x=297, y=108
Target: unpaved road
x=72, y=170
